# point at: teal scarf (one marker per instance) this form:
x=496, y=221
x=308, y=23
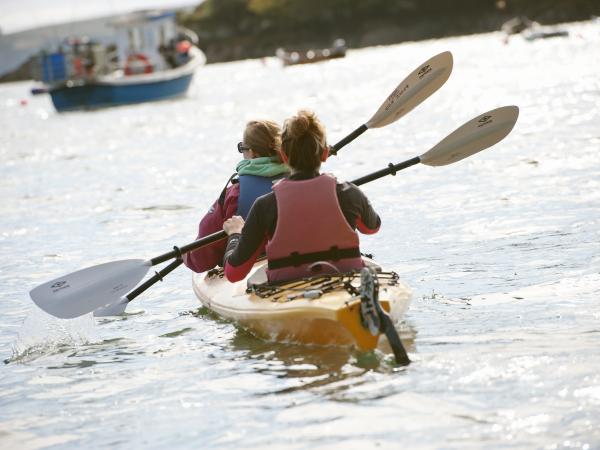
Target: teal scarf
x=265, y=166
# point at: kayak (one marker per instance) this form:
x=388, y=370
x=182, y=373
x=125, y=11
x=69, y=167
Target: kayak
x=327, y=310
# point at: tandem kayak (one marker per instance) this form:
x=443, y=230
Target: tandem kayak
x=345, y=309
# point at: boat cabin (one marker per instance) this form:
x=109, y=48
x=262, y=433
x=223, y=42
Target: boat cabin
x=146, y=42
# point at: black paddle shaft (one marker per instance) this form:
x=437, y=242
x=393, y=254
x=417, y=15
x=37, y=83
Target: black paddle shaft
x=177, y=252
x=356, y=133
x=158, y=276
x=391, y=169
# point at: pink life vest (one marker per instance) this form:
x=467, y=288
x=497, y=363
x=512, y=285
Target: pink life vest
x=311, y=228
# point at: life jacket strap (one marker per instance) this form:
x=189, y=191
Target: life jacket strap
x=297, y=259
x=233, y=180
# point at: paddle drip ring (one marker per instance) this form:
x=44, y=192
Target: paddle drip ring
x=177, y=251
x=392, y=169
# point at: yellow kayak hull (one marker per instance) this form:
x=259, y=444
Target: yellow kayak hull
x=331, y=319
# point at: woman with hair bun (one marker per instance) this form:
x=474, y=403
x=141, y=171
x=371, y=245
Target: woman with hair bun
x=307, y=224
x=255, y=174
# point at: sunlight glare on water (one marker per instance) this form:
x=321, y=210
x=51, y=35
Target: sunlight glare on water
x=500, y=250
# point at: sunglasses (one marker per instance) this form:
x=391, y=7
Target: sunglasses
x=242, y=148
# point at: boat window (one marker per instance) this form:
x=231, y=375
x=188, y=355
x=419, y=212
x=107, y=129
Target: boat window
x=131, y=35
x=135, y=39
x=163, y=36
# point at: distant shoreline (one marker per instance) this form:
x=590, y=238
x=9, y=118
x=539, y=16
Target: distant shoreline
x=232, y=46
x=238, y=33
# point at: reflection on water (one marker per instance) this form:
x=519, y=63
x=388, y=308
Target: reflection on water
x=299, y=361
x=500, y=250
x=164, y=207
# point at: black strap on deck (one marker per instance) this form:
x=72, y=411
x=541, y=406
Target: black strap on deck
x=297, y=259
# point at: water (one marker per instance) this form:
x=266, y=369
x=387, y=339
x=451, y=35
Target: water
x=501, y=250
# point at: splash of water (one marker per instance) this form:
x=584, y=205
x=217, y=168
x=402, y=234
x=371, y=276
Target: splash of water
x=43, y=334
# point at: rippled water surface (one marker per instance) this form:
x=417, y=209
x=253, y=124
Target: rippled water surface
x=502, y=251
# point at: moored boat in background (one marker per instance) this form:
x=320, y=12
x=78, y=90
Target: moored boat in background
x=534, y=33
x=530, y=30
x=292, y=57
x=151, y=59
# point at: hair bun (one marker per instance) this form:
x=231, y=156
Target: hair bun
x=301, y=123
x=303, y=141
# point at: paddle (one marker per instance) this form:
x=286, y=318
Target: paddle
x=474, y=136
x=411, y=91
x=94, y=287
x=118, y=308
x=84, y=291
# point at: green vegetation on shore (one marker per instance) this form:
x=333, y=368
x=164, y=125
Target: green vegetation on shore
x=239, y=29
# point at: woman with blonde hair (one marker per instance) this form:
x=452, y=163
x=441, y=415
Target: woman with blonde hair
x=255, y=174
x=308, y=224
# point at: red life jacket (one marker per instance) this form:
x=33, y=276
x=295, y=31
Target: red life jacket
x=310, y=228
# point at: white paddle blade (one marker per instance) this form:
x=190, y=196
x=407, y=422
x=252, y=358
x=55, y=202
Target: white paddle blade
x=82, y=292
x=413, y=90
x=114, y=309
x=478, y=134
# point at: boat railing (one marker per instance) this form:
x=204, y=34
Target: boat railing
x=186, y=33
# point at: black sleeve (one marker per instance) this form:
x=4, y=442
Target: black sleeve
x=355, y=204
x=260, y=223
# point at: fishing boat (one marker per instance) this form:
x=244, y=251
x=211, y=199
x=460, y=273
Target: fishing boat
x=531, y=30
x=516, y=25
x=340, y=309
x=292, y=57
x=151, y=59
x=535, y=33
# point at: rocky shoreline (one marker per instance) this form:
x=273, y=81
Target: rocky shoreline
x=233, y=34
x=226, y=40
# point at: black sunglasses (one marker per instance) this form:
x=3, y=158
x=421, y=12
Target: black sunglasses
x=242, y=148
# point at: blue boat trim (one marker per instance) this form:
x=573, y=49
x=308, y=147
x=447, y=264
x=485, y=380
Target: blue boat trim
x=93, y=96
x=123, y=90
